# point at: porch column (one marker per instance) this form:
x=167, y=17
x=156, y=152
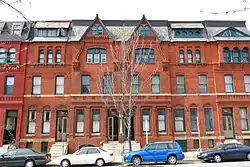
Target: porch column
x=19, y=126
x=2, y=122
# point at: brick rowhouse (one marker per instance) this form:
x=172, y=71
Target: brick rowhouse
x=191, y=70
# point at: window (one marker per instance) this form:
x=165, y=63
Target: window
x=198, y=56
x=152, y=147
x=229, y=83
x=107, y=84
x=162, y=146
x=53, y=32
x=196, y=144
x=236, y=55
x=135, y=84
x=96, y=56
x=41, y=56
x=247, y=83
x=36, y=85
x=16, y=29
x=180, y=83
x=156, y=84
x=190, y=56
x=144, y=56
x=194, y=123
x=11, y=58
x=79, y=121
x=31, y=122
x=3, y=56
x=29, y=145
x=161, y=120
x=179, y=120
x=96, y=120
x=182, y=56
x=244, y=55
x=172, y=145
x=208, y=119
x=210, y=143
x=227, y=57
x=97, y=29
x=50, y=57
x=46, y=120
x=144, y=30
x=59, y=85
x=146, y=120
x=9, y=85
x=203, y=83
x=85, y=89
x=93, y=151
x=44, y=147
x=188, y=33
x=58, y=56
x=244, y=119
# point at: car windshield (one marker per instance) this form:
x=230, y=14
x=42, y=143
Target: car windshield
x=77, y=152
x=145, y=146
x=219, y=147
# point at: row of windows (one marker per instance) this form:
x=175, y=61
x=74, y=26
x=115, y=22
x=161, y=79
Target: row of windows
x=50, y=55
x=7, y=56
x=52, y=32
x=188, y=33
x=190, y=56
x=236, y=55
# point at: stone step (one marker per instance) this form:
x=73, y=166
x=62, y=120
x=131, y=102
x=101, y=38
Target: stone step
x=58, y=149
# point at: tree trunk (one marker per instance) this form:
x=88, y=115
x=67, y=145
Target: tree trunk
x=129, y=131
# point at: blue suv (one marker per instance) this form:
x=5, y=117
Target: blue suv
x=168, y=152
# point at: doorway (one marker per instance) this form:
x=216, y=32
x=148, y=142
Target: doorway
x=62, y=126
x=132, y=134
x=113, y=125
x=10, y=126
x=228, y=123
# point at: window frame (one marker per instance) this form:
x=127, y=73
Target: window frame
x=190, y=56
x=164, y=120
x=29, y=121
x=44, y=121
x=157, y=85
x=3, y=55
x=203, y=84
x=107, y=84
x=79, y=111
x=183, y=85
x=229, y=84
x=195, y=142
x=99, y=120
x=135, y=85
x=211, y=122
x=93, y=53
x=58, y=52
x=244, y=119
x=56, y=89
x=183, y=119
x=7, y=87
x=50, y=56
x=143, y=111
x=41, y=56
x=84, y=85
x=198, y=56
x=194, y=119
x=144, y=56
x=182, y=56
x=247, y=84
x=33, y=85
x=11, y=52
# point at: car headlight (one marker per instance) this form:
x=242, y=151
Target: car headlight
x=204, y=155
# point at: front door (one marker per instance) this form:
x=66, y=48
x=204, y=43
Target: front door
x=113, y=125
x=62, y=126
x=10, y=126
x=228, y=124
x=111, y=128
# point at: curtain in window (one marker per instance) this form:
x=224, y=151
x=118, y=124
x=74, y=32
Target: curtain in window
x=96, y=121
x=80, y=121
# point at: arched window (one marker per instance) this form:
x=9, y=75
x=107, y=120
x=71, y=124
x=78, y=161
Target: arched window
x=50, y=57
x=190, y=56
x=182, y=56
x=41, y=56
x=96, y=56
x=97, y=29
x=244, y=55
x=12, y=55
x=58, y=56
x=3, y=56
x=100, y=30
x=198, y=56
x=227, y=57
x=94, y=28
x=236, y=55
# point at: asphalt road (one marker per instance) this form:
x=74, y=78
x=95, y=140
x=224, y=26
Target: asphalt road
x=184, y=164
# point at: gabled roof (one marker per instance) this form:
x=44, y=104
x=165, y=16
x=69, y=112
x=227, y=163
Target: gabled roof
x=232, y=32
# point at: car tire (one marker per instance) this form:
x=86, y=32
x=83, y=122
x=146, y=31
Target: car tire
x=172, y=159
x=217, y=158
x=136, y=160
x=65, y=163
x=29, y=163
x=248, y=156
x=99, y=162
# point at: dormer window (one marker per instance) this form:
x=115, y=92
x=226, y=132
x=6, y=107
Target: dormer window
x=52, y=32
x=187, y=33
x=16, y=29
x=97, y=29
x=144, y=30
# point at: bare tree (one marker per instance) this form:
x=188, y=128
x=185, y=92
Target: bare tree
x=129, y=60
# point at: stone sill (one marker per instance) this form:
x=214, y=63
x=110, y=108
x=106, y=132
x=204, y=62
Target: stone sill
x=95, y=134
x=79, y=134
x=144, y=133
x=245, y=131
x=180, y=133
x=45, y=134
x=162, y=133
x=195, y=133
x=30, y=135
x=209, y=133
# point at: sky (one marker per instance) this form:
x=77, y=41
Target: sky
x=173, y=10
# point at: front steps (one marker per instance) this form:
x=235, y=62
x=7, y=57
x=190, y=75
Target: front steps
x=58, y=149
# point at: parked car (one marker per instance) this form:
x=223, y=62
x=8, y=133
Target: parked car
x=223, y=152
x=169, y=152
x=23, y=157
x=84, y=156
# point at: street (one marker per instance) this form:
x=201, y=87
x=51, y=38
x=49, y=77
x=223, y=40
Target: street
x=186, y=164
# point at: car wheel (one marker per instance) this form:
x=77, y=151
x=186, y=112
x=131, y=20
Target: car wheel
x=100, y=162
x=65, y=163
x=29, y=163
x=217, y=158
x=172, y=159
x=136, y=160
x=248, y=156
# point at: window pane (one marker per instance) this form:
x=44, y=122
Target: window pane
x=146, y=120
x=107, y=84
x=80, y=121
x=228, y=79
x=244, y=118
x=96, y=120
x=179, y=120
x=208, y=119
x=193, y=114
x=180, y=79
x=161, y=120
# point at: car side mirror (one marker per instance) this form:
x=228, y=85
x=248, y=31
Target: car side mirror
x=146, y=149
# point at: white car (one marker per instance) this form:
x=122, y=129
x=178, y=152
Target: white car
x=84, y=156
